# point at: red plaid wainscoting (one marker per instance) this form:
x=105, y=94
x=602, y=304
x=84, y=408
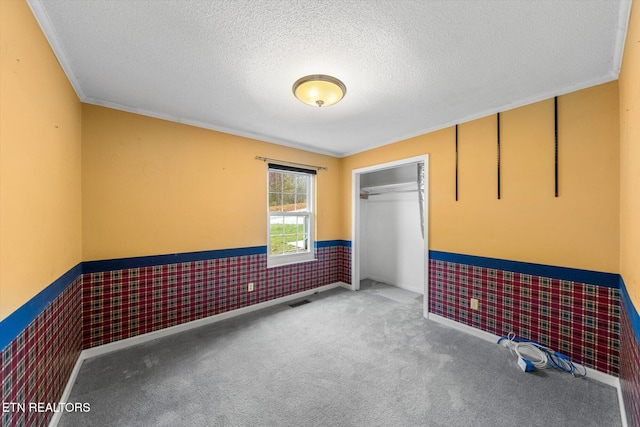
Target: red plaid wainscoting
x=630, y=360
x=577, y=319
x=124, y=303
x=344, y=264
x=37, y=364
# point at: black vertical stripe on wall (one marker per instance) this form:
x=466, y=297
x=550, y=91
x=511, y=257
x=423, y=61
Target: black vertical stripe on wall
x=498, y=121
x=456, y=163
x=555, y=124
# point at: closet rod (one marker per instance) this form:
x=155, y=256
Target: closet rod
x=389, y=192
x=267, y=159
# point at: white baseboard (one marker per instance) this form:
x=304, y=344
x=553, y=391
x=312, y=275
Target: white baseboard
x=607, y=379
x=55, y=419
x=623, y=412
x=417, y=290
x=150, y=336
x=345, y=285
x=464, y=328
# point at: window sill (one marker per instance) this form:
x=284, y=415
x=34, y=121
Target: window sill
x=289, y=260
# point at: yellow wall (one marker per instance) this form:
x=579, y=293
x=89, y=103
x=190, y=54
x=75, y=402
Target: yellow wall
x=151, y=186
x=40, y=143
x=630, y=159
x=579, y=229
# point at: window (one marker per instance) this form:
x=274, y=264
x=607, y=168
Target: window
x=290, y=215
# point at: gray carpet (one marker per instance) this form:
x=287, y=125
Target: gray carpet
x=364, y=358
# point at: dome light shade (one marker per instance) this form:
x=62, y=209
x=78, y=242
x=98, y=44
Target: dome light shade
x=319, y=90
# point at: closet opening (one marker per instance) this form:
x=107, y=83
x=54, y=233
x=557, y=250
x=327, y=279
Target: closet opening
x=389, y=226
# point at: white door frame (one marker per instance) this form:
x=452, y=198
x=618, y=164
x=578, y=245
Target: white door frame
x=355, y=221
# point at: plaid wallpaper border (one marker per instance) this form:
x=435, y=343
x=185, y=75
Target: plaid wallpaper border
x=128, y=302
x=630, y=372
x=577, y=319
x=630, y=358
x=16, y=322
x=344, y=272
x=37, y=364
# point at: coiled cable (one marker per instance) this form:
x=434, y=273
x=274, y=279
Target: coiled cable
x=540, y=356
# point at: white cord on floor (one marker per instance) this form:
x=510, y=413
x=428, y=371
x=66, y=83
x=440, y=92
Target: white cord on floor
x=526, y=350
x=541, y=357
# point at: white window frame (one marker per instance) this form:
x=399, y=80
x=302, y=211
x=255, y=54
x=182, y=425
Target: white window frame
x=310, y=253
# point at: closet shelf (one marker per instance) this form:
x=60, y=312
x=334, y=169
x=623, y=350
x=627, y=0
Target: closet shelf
x=390, y=188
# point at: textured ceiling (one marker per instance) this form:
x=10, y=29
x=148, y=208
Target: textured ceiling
x=409, y=66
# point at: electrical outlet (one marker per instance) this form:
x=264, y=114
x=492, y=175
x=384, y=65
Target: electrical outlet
x=474, y=304
x=250, y=287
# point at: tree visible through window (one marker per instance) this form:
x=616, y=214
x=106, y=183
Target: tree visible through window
x=290, y=216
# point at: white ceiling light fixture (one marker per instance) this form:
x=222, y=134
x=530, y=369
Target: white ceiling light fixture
x=319, y=90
